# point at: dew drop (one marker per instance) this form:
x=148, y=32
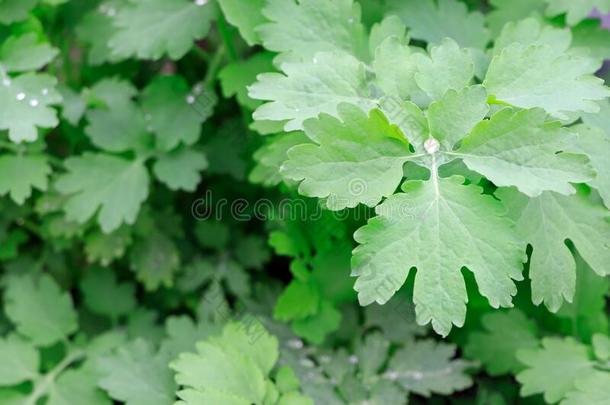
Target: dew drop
x=150, y=128
x=148, y=117
x=353, y=359
x=34, y=102
x=45, y=91
x=295, y=344
x=190, y=99
x=6, y=82
x=111, y=12
x=201, y=2
x=432, y=146
x=20, y=96
x=198, y=89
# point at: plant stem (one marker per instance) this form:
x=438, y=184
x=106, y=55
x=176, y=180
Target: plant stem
x=227, y=37
x=213, y=67
x=42, y=386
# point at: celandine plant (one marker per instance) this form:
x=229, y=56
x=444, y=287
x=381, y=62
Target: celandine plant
x=299, y=202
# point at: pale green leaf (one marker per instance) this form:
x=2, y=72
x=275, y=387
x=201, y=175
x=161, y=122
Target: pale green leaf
x=307, y=89
x=447, y=68
x=26, y=105
x=520, y=148
x=545, y=222
x=596, y=145
x=438, y=227
x=246, y=15
x=576, y=11
x=356, y=160
x=537, y=76
x=20, y=361
x=591, y=389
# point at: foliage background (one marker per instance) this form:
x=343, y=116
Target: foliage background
x=125, y=125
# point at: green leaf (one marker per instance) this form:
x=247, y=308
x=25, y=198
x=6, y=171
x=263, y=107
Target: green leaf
x=119, y=126
x=515, y=10
x=545, y=222
x=180, y=169
x=96, y=28
x=77, y=386
x=592, y=389
x=591, y=36
x=356, y=160
x=307, y=89
x=432, y=21
x=531, y=31
x=576, y=11
x=297, y=301
x=601, y=346
x=115, y=186
x=456, y=113
x=553, y=369
x=438, y=227
x=596, y=145
x=316, y=327
x=135, y=375
x=155, y=259
x=235, y=77
x=303, y=28
x=520, y=148
x=174, y=112
x=151, y=29
x=231, y=369
x=20, y=361
x=395, y=67
x=539, y=76
x=503, y=334
x=246, y=15
x=426, y=367
x=22, y=173
x=23, y=53
x=447, y=68
x=15, y=10
x=105, y=248
x=39, y=309
x=98, y=285
x=26, y=105
x=270, y=157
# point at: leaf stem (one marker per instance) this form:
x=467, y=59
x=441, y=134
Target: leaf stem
x=213, y=67
x=42, y=386
x=227, y=37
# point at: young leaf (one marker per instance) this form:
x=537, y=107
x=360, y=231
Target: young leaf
x=596, y=145
x=576, y=11
x=246, y=15
x=593, y=388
